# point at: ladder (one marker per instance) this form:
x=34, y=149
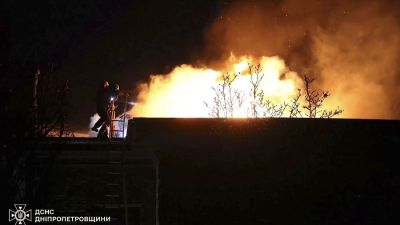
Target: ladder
x=115, y=183
x=112, y=128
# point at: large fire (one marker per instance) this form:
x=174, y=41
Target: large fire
x=351, y=48
x=182, y=92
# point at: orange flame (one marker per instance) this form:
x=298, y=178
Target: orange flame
x=182, y=92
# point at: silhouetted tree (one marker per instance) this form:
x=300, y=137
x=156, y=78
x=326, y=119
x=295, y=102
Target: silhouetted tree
x=294, y=107
x=255, y=93
x=314, y=102
x=229, y=101
x=225, y=98
x=37, y=107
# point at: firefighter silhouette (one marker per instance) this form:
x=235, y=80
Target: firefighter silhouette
x=105, y=106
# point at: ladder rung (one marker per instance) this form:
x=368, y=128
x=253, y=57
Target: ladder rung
x=111, y=207
x=113, y=173
x=113, y=184
x=114, y=162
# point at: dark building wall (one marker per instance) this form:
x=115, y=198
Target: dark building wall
x=88, y=174
x=279, y=171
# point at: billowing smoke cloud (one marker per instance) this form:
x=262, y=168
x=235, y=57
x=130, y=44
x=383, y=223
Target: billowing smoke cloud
x=351, y=48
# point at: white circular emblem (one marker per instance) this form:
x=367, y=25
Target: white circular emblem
x=20, y=215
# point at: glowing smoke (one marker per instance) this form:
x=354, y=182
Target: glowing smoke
x=351, y=48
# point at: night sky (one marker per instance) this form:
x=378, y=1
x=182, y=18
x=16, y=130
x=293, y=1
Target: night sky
x=121, y=41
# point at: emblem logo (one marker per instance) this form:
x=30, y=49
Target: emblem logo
x=19, y=215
